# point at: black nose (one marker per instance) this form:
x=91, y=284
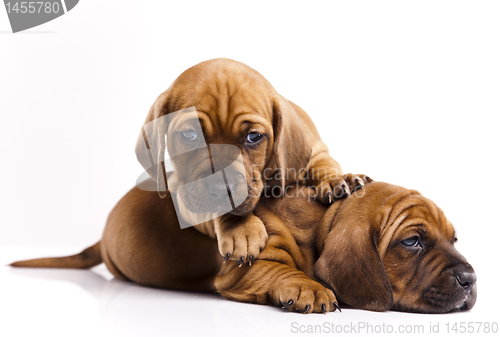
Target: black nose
x=465, y=276
x=218, y=190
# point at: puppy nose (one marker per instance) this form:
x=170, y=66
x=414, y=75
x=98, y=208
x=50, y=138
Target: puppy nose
x=218, y=190
x=465, y=276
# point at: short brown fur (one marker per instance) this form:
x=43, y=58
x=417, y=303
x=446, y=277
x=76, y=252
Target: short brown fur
x=231, y=100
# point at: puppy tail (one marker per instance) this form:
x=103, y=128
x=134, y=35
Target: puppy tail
x=88, y=258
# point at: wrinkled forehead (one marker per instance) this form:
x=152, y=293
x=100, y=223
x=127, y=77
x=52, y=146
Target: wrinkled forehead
x=434, y=221
x=440, y=226
x=222, y=90
x=397, y=212
x=417, y=214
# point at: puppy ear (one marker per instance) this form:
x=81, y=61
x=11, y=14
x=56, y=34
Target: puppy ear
x=292, y=148
x=150, y=147
x=350, y=263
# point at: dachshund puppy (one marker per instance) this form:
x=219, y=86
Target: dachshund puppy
x=384, y=247
x=388, y=248
x=234, y=107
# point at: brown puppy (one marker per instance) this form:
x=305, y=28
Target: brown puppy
x=386, y=248
x=235, y=105
x=383, y=247
x=393, y=248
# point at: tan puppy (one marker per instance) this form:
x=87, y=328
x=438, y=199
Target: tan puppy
x=388, y=248
x=383, y=247
x=277, y=139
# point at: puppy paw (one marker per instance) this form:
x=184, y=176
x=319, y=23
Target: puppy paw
x=332, y=188
x=241, y=239
x=304, y=295
x=356, y=181
x=339, y=187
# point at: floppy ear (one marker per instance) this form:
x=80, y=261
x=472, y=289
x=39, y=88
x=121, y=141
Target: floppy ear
x=292, y=148
x=150, y=147
x=350, y=263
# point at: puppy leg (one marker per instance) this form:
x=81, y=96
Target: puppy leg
x=324, y=173
x=330, y=184
x=271, y=282
x=240, y=238
x=275, y=278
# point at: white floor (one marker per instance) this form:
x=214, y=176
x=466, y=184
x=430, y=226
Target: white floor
x=56, y=302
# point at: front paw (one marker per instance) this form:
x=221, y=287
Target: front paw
x=338, y=187
x=241, y=239
x=302, y=294
x=356, y=181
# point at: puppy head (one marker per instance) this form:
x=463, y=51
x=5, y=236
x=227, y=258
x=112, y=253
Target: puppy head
x=238, y=116
x=394, y=249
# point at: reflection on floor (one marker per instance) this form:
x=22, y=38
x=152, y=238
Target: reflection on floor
x=59, y=302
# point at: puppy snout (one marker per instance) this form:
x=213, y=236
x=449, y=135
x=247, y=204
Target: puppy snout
x=219, y=190
x=465, y=276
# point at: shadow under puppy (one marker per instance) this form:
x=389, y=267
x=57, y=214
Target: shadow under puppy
x=384, y=247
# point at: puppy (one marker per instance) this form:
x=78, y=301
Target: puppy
x=388, y=248
x=234, y=108
x=384, y=247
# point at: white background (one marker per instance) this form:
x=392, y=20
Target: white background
x=407, y=92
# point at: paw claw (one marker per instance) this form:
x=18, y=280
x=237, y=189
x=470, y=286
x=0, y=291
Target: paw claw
x=346, y=189
x=310, y=296
x=287, y=304
x=343, y=191
x=241, y=241
x=356, y=182
x=357, y=188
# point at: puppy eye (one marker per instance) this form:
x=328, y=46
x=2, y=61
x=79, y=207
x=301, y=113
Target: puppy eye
x=253, y=137
x=189, y=134
x=414, y=241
